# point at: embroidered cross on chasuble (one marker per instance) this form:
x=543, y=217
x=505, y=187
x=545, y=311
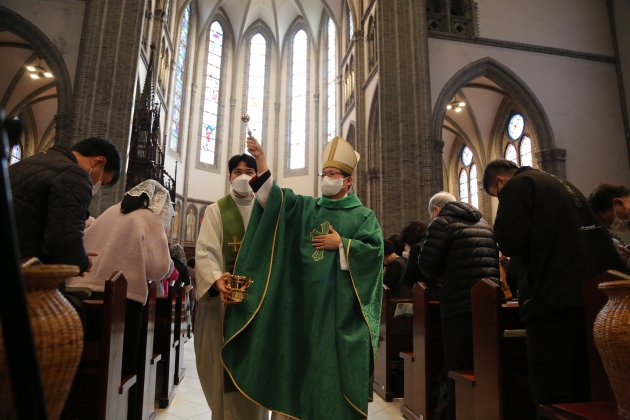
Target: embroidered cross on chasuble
x=304, y=342
x=233, y=231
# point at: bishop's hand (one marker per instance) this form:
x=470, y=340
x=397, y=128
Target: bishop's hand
x=330, y=241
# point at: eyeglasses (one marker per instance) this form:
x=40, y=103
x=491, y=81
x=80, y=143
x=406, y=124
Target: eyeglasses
x=329, y=174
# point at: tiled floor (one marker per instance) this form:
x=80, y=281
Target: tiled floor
x=190, y=403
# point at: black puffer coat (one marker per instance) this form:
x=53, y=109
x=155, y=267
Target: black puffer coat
x=460, y=250
x=51, y=195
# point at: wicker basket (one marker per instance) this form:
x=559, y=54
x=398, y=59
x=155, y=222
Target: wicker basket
x=612, y=337
x=58, y=337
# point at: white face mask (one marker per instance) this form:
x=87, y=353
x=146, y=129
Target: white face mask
x=620, y=225
x=331, y=186
x=241, y=186
x=97, y=186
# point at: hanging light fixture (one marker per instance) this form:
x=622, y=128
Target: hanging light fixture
x=456, y=104
x=38, y=71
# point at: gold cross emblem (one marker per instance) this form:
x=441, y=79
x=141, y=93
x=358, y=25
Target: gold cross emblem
x=319, y=254
x=236, y=244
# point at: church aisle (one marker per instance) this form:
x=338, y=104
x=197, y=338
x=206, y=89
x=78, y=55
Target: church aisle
x=189, y=402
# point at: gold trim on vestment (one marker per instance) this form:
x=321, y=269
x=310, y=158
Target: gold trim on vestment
x=364, y=317
x=336, y=164
x=354, y=406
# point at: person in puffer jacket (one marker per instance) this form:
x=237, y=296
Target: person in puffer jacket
x=459, y=250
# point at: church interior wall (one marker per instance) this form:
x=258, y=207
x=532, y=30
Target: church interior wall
x=61, y=21
x=622, y=17
x=580, y=98
x=579, y=25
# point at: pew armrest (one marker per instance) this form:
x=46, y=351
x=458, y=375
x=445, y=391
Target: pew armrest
x=126, y=382
x=81, y=293
x=406, y=355
x=93, y=305
x=156, y=358
x=465, y=377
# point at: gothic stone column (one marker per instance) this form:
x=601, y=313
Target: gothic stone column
x=411, y=168
x=553, y=161
x=105, y=80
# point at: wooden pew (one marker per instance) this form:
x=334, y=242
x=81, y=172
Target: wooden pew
x=165, y=344
x=427, y=359
x=181, y=333
x=147, y=359
x=499, y=384
x=99, y=390
x=395, y=337
x=604, y=403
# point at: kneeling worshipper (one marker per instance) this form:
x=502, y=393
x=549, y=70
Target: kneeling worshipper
x=304, y=342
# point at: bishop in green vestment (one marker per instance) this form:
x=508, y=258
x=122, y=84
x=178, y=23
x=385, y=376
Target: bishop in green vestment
x=304, y=343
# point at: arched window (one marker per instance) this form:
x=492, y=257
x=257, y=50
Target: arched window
x=331, y=80
x=256, y=85
x=208, y=144
x=16, y=154
x=166, y=7
x=371, y=40
x=350, y=24
x=463, y=186
x=468, y=187
x=179, y=80
x=519, y=148
x=299, y=83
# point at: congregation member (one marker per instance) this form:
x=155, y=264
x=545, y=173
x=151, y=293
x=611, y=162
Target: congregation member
x=459, y=251
x=304, y=342
x=413, y=235
x=221, y=234
x=399, y=246
x=51, y=194
x=130, y=237
x=393, y=269
x=611, y=202
x=546, y=222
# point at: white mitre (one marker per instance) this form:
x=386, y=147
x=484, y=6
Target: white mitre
x=339, y=154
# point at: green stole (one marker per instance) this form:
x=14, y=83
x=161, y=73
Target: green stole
x=233, y=231
x=304, y=342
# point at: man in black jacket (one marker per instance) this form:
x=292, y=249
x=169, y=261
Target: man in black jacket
x=51, y=195
x=547, y=223
x=460, y=250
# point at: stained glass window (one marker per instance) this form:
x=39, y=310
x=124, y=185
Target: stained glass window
x=211, y=95
x=331, y=79
x=16, y=154
x=350, y=26
x=474, y=189
x=463, y=186
x=510, y=153
x=467, y=156
x=256, y=85
x=179, y=80
x=516, y=126
x=526, y=151
x=299, y=81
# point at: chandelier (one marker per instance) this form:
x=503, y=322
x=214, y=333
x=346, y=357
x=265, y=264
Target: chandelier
x=456, y=104
x=38, y=71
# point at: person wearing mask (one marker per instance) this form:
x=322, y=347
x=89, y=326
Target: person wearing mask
x=303, y=343
x=220, y=237
x=51, y=194
x=130, y=237
x=459, y=250
x=546, y=222
x=610, y=203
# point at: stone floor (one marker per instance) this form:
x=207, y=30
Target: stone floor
x=190, y=403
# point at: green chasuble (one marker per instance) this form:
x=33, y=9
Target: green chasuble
x=304, y=343
x=233, y=231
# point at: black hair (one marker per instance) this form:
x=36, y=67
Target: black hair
x=413, y=232
x=388, y=247
x=399, y=245
x=96, y=146
x=601, y=198
x=236, y=159
x=131, y=203
x=191, y=263
x=494, y=169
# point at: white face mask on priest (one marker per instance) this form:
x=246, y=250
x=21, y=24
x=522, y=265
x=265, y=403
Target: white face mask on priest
x=242, y=170
x=339, y=163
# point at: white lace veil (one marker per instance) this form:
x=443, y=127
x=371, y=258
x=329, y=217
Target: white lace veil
x=159, y=199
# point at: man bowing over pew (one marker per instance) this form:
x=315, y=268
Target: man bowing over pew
x=304, y=343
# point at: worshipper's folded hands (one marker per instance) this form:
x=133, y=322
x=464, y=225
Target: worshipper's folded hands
x=220, y=286
x=89, y=268
x=330, y=241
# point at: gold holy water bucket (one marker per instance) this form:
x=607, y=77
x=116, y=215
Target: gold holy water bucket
x=237, y=285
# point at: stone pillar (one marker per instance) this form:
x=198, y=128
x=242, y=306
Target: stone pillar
x=361, y=107
x=105, y=80
x=553, y=161
x=411, y=169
